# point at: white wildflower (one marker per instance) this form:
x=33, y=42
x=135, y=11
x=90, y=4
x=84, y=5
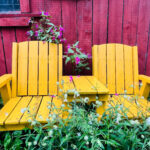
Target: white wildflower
x=29, y=120
x=65, y=100
x=148, y=121
x=33, y=123
x=97, y=115
x=62, y=105
x=142, y=97
x=125, y=96
x=23, y=110
x=86, y=99
x=6, y=114
x=50, y=133
x=118, y=119
x=73, y=146
x=142, y=136
x=49, y=107
x=62, y=82
x=44, y=144
x=98, y=103
x=60, y=90
x=78, y=134
x=45, y=138
x=109, y=105
x=87, y=143
x=134, y=122
x=70, y=110
x=65, y=96
x=86, y=138
x=57, y=83
x=90, y=122
x=55, y=127
x=47, y=119
x=125, y=91
x=35, y=143
x=29, y=144
x=40, y=117
x=97, y=97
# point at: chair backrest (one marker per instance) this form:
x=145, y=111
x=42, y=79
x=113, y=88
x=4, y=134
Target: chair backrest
x=36, y=68
x=116, y=66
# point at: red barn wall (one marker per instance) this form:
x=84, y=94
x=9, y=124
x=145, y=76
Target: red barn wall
x=90, y=22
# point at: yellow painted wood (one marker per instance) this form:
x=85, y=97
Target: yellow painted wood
x=111, y=73
x=60, y=58
x=145, y=89
x=22, y=68
x=17, y=113
x=144, y=78
x=5, y=79
x=44, y=110
x=136, y=71
x=102, y=63
x=43, y=68
x=67, y=85
x=53, y=68
x=95, y=60
x=32, y=110
x=101, y=88
x=7, y=109
x=119, y=69
x=128, y=58
x=33, y=68
x=12, y=127
x=83, y=86
x=14, y=68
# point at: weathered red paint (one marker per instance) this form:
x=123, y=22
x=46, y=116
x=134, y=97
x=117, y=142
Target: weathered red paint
x=25, y=6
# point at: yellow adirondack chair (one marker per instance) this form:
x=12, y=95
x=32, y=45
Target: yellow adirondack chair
x=116, y=66
x=36, y=67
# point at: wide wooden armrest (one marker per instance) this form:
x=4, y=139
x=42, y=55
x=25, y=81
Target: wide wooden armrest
x=5, y=79
x=144, y=78
x=5, y=89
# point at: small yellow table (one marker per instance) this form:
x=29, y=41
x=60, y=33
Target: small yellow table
x=87, y=86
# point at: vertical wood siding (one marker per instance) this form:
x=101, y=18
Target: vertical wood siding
x=90, y=22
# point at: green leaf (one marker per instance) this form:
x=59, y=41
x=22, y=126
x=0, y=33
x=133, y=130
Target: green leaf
x=67, y=60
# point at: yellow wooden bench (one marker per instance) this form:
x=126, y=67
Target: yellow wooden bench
x=116, y=66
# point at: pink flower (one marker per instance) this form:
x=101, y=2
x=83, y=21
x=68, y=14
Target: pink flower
x=89, y=56
x=63, y=40
x=36, y=26
x=53, y=38
x=77, y=60
x=44, y=42
x=29, y=21
x=71, y=78
x=60, y=35
x=41, y=30
x=61, y=29
x=68, y=46
x=28, y=32
x=46, y=13
x=53, y=96
x=116, y=94
x=78, y=76
x=36, y=33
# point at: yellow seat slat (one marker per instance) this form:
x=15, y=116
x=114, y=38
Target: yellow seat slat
x=33, y=108
x=111, y=73
x=7, y=109
x=119, y=68
x=43, y=68
x=33, y=68
x=17, y=113
x=22, y=68
x=44, y=111
x=53, y=71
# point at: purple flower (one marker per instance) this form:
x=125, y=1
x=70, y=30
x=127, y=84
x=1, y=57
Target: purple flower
x=53, y=96
x=41, y=12
x=61, y=29
x=36, y=26
x=60, y=35
x=78, y=76
x=41, y=30
x=68, y=46
x=36, y=33
x=116, y=94
x=46, y=13
x=63, y=40
x=29, y=21
x=71, y=78
x=53, y=38
x=89, y=56
x=28, y=33
x=77, y=60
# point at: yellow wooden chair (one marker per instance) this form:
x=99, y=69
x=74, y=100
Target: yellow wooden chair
x=116, y=66
x=36, y=68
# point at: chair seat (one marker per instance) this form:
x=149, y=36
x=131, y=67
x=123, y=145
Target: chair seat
x=136, y=107
x=15, y=115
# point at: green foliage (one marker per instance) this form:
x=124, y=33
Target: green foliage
x=77, y=58
x=44, y=30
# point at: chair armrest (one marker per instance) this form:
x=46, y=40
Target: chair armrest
x=5, y=89
x=5, y=79
x=144, y=78
x=145, y=86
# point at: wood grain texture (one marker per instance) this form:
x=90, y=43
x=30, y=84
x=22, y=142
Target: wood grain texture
x=100, y=12
x=25, y=6
x=115, y=21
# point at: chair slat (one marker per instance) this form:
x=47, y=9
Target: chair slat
x=119, y=69
x=128, y=60
x=111, y=73
x=22, y=68
x=53, y=71
x=102, y=63
x=95, y=60
x=33, y=68
x=43, y=68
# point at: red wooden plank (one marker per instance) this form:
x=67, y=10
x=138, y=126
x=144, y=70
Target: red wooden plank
x=37, y=6
x=100, y=10
x=2, y=58
x=21, y=34
x=131, y=9
x=8, y=38
x=20, y=15
x=54, y=9
x=25, y=6
x=70, y=28
x=115, y=21
x=142, y=35
x=84, y=26
x=15, y=21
